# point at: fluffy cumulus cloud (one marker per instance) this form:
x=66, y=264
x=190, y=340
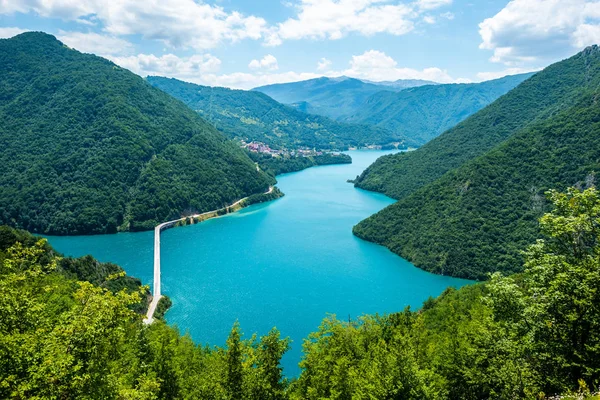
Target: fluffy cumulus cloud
x=170, y=65
x=531, y=32
x=95, y=43
x=377, y=66
x=177, y=23
x=334, y=19
x=203, y=69
x=268, y=62
x=9, y=32
x=200, y=26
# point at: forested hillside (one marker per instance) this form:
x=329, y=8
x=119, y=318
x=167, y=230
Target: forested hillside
x=88, y=147
x=550, y=91
x=478, y=218
x=534, y=335
x=255, y=116
x=422, y=113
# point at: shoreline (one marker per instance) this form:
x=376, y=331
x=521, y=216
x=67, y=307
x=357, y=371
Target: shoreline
x=191, y=220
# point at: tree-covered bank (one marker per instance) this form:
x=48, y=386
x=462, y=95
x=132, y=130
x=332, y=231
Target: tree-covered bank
x=532, y=335
x=280, y=165
x=478, y=211
x=88, y=147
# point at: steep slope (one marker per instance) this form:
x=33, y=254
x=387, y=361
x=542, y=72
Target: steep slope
x=479, y=217
x=252, y=115
x=88, y=147
x=547, y=92
x=331, y=97
x=422, y=113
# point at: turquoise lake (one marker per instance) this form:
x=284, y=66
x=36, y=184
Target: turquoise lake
x=287, y=263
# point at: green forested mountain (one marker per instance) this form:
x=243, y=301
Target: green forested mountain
x=479, y=217
x=422, y=113
x=530, y=336
x=331, y=97
x=252, y=115
x=550, y=91
x=88, y=147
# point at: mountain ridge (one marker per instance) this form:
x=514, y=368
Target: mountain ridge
x=89, y=147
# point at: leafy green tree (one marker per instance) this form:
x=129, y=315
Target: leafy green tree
x=234, y=354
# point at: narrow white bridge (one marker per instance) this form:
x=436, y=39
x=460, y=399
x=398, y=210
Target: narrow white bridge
x=156, y=294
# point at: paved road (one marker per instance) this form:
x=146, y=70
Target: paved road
x=156, y=294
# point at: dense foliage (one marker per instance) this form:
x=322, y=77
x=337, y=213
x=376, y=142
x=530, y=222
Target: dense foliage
x=479, y=217
x=331, y=97
x=532, y=335
x=281, y=165
x=70, y=339
x=422, y=113
x=88, y=147
x=554, y=89
x=254, y=116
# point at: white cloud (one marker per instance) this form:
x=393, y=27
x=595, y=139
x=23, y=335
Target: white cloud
x=9, y=32
x=170, y=65
x=334, y=19
x=488, y=76
x=268, y=62
x=203, y=69
x=177, y=23
x=323, y=64
x=377, y=66
x=529, y=32
x=95, y=43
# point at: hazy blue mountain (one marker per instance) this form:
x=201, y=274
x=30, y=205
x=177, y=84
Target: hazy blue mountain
x=424, y=112
x=331, y=97
x=251, y=115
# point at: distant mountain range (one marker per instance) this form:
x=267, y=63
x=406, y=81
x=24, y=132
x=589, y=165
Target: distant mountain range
x=413, y=109
x=89, y=147
x=469, y=200
x=331, y=97
x=252, y=115
x=422, y=113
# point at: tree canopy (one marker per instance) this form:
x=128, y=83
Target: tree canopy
x=88, y=147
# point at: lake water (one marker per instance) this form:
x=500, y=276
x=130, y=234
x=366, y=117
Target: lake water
x=287, y=263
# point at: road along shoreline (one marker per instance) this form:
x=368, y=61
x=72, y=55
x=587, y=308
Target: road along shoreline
x=189, y=220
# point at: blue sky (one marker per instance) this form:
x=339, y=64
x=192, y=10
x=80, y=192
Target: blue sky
x=243, y=44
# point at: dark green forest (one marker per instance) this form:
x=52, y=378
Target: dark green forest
x=254, y=116
x=424, y=112
x=88, y=147
x=533, y=335
x=281, y=165
x=480, y=217
x=550, y=91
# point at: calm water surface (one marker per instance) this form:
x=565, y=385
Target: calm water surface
x=287, y=263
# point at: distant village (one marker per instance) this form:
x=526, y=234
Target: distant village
x=259, y=147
